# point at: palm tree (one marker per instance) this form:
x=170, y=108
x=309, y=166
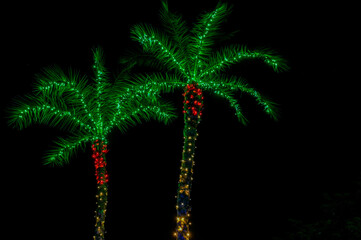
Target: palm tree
x=89, y=112
x=193, y=66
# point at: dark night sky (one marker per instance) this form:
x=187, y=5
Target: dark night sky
x=248, y=180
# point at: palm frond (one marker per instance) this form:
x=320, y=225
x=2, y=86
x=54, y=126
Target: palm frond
x=157, y=82
x=64, y=149
x=235, y=53
x=102, y=84
x=161, y=111
x=160, y=46
x=205, y=30
x=69, y=89
x=268, y=105
x=99, y=65
x=148, y=86
x=176, y=27
x=134, y=112
x=227, y=93
x=33, y=109
x=235, y=84
x=136, y=57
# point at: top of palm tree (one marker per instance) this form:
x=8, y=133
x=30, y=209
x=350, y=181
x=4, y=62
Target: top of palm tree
x=188, y=53
x=68, y=101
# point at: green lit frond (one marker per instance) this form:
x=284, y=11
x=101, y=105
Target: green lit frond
x=135, y=56
x=268, y=106
x=161, y=111
x=65, y=147
x=235, y=54
x=70, y=89
x=156, y=82
x=205, y=30
x=146, y=86
x=134, y=112
x=176, y=27
x=101, y=74
x=53, y=81
x=235, y=84
x=226, y=93
x=102, y=88
x=160, y=46
x=33, y=109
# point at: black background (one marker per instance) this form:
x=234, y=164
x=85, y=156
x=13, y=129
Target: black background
x=248, y=180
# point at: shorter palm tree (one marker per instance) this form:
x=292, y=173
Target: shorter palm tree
x=89, y=112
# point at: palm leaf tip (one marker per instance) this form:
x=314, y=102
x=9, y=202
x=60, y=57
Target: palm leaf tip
x=163, y=112
x=174, y=25
x=52, y=161
x=64, y=149
x=272, y=58
x=20, y=114
x=54, y=158
x=241, y=118
x=271, y=108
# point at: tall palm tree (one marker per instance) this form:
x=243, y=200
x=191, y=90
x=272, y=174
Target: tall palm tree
x=89, y=112
x=193, y=66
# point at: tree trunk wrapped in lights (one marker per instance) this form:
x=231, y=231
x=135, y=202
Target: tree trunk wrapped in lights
x=192, y=110
x=99, y=151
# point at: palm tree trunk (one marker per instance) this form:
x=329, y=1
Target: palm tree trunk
x=99, y=151
x=193, y=104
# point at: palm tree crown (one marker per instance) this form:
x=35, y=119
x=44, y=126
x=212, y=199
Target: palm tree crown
x=188, y=52
x=88, y=111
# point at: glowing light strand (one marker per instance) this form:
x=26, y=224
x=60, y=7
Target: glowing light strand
x=66, y=148
x=236, y=57
x=166, y=52
x=37, y=113
x=198, y=62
